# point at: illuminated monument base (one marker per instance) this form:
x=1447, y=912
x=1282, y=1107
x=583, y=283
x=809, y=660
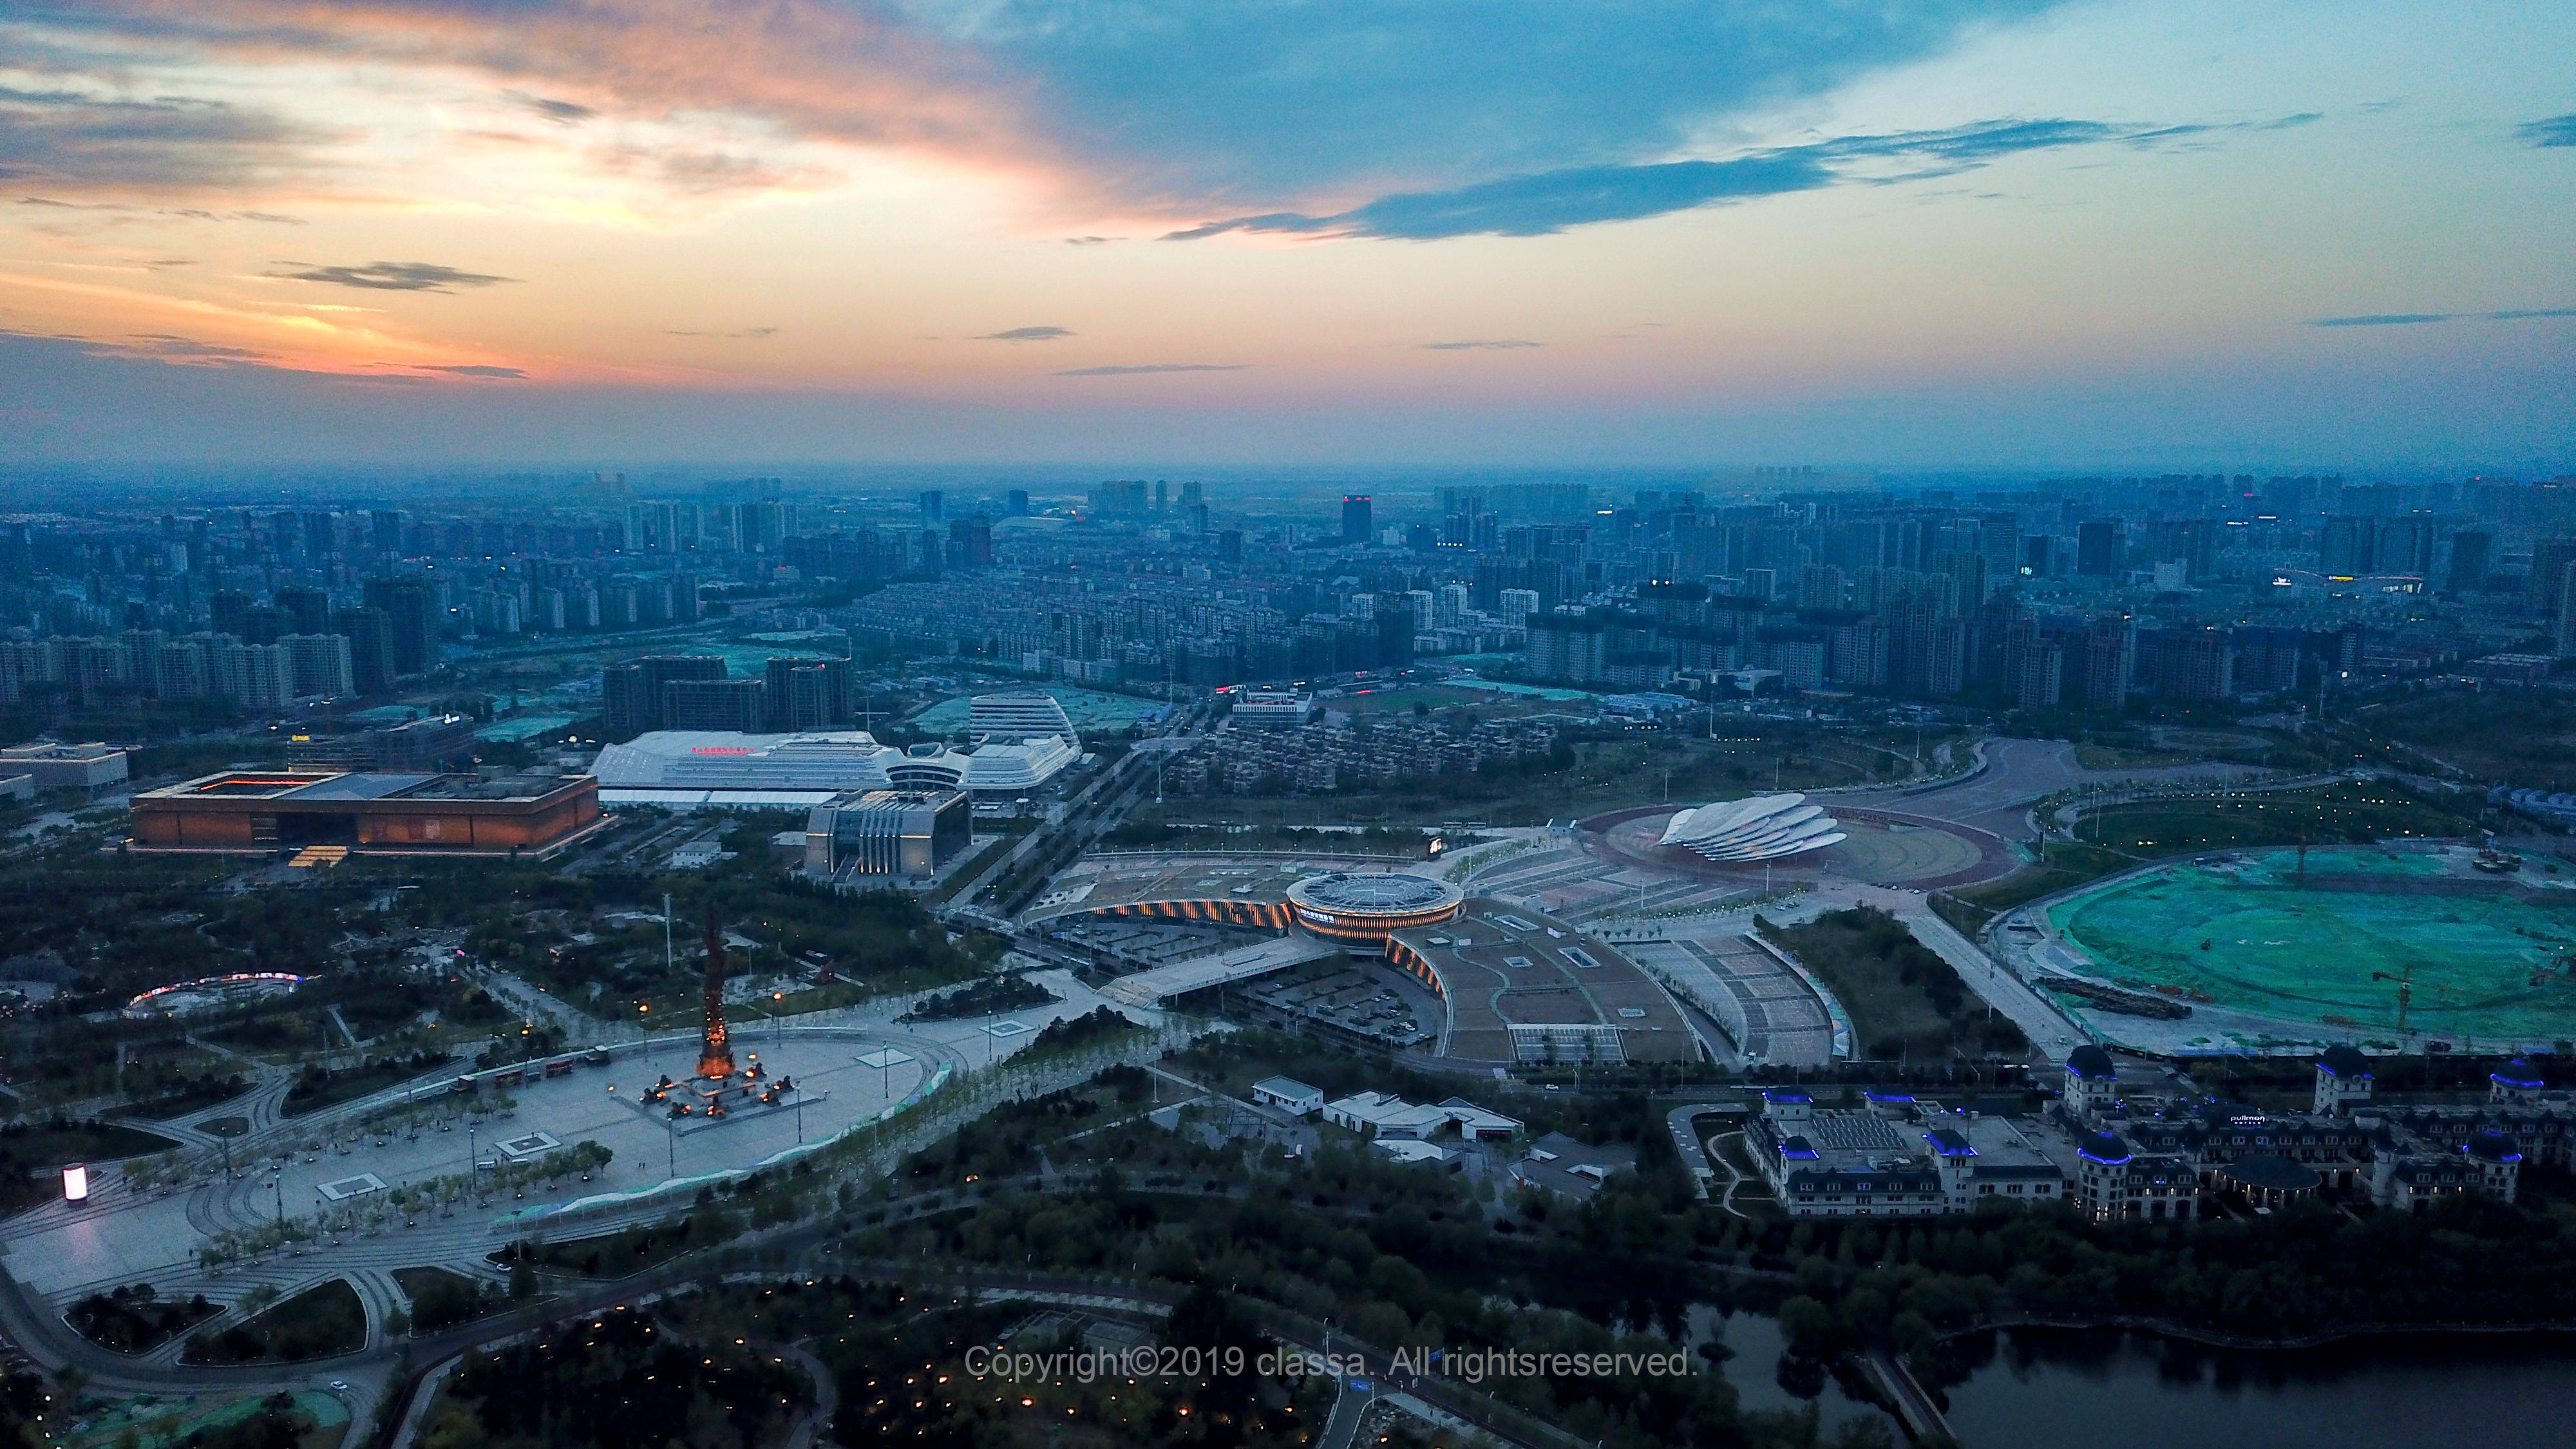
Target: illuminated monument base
x=703, y=1101
x=718, y=1091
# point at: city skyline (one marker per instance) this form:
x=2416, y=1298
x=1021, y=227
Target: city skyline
x=2018, y=235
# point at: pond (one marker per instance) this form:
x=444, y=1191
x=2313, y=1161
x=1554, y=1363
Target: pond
x=2114, y=1390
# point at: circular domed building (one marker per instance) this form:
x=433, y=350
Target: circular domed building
x=1359, y=910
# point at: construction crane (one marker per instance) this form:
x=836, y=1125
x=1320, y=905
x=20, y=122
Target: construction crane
x=2405, y=991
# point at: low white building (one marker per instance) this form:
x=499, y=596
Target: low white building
x=1381, y=1114
x=1271, y=709
x=93, y=766
x=721, y=767
x=1289, y=1095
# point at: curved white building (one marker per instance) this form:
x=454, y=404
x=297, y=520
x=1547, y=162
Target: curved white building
x=1017, y=718
x=1764, y=827
x=719, y=767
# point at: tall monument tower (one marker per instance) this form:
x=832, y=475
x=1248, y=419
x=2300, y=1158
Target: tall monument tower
x=715, y=1059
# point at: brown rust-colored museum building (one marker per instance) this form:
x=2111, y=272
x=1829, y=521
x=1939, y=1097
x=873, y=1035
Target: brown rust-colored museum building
x=265, y=810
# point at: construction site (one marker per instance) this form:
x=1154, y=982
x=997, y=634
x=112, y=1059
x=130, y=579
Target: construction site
x=2399, y=947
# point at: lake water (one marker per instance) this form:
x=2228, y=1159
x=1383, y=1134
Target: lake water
x=2110, y=1390
x=1755, y=1369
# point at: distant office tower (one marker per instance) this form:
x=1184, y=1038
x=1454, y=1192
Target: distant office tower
x=1229, y=546
x=970, y=542
x=496, y=612
x=370, y=633
x=1119, y=496
x=715, y=704
x=2549, y=560
x=2108, y=640
x=385, y=530
x=2469, y=561
x=317, y=666
x=2042, y=684
x=2196, y=664
x=230, y=609
x=2097, y=547
x=1192, y=495
x=1967, y=575
x=648, y=528
x=763, y=527
x=1162, y=495
x=1355, y=518
x=934, y=504
x=2567, y=610
x=2348, y=547
x=2405, y=546
x=1019, y=503
x=2191, y=542
x=308, y=611
x=806, y=694
x=2267, y=659
x=267, y=682
x=412, y=605
x=2001, y=533
x=631, y=693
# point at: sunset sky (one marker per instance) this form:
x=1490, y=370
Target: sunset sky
x=1901, y=232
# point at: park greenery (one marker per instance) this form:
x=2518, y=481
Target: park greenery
x=320, y=1321
x=618, y=1380
x=1906, y=1002
x=133, y=1317
x=987, y=996
x=441, y=1299
x=630, y=1250
x=317, y=1086
x=2522, y=738
x=882, y=941
x=168, y=1092
x=875, y=1339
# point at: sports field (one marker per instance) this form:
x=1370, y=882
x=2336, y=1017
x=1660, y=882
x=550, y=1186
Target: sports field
x=2481, y=960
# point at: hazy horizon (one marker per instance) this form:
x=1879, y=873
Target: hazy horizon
x=2017, y=234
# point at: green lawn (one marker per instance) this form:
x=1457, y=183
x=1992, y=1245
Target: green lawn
x=2336, y=814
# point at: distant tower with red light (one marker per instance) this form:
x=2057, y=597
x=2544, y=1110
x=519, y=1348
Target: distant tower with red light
x=715, y=1059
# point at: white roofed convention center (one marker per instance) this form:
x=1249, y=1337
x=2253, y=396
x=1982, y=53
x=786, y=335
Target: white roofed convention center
x=1764, y=827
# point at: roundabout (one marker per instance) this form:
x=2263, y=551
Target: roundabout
x=1871, y=846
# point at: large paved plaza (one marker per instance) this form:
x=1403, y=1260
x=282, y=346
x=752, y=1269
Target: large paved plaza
x=416, y=1176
